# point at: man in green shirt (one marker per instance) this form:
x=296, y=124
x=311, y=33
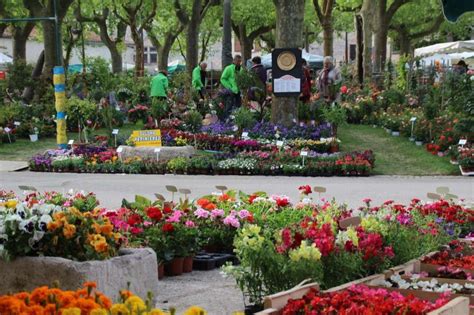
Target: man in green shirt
x=159, y=85
x=231, y=90
x=199, y=79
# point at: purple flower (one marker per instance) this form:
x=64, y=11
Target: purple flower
x=231, y=220
x=190, y=224
x=404, y=219
x=201, y=213
x=243, y=214
x=217, y=213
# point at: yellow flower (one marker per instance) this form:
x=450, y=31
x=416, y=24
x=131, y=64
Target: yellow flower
x=157, y=312
x=75, y=211
x=119, y=309
x=195, y=310
x=11, y=203
x=135, y=304
x=100, y=311
x=99, y=243
x=69, y=230
x=305, y=252
x=71, y=311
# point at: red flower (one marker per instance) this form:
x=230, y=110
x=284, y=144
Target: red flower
x=168, y=228
x=154, y=213
x=252, y=198
x=344, y=89
x=134, y=219
x=305, y=190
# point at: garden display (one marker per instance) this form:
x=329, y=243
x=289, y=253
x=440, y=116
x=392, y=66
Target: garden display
x=278, y=242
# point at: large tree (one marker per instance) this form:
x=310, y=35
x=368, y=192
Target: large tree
x=324, y=12
x=191, y=13
x=226, y=34
x=250, y=20
x=137, y=15
x=289, y=34
x=164, y=31
x=107, y=25
x=45, y=8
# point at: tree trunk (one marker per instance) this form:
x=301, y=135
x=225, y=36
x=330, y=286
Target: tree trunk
x=50, y=52
x=328, y=36
x=20, y=38
x=381, y=33
x=192, y=37
x=163, y=55
x=139, y=51
x=28, y=92
x=289, y=34
x=227, y=36
x=115, y=54
x=405, y=44
x=367, y=15
x=360, y=49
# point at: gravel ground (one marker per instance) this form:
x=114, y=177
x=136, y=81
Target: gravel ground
x=208, y=289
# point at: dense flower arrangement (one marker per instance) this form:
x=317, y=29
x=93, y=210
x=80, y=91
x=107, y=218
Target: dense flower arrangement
x=53, y=224
x=248, y=157
x=360, y=300
x=459, y=257
x=432, y=285
x=86, y=301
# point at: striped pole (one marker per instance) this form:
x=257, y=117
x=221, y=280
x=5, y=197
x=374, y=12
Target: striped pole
x=60, y=96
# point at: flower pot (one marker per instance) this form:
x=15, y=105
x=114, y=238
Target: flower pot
x=389, y=131
x=419, y=143
x=176, y=266
x=396, y=133
x=188, y=264
x=34, y=137
x=412, y=139
x=161, y=271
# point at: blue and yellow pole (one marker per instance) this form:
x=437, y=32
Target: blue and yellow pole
x=59, y=80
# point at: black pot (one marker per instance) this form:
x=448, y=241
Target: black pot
x=252, y=309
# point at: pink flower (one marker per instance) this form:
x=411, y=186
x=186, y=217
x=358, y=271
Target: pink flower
x=147, y=223
x=201, y=213
x=232, y=221
x=175, y=217
x=367, y=200
x=217, y=213
x=67, y=203
x=388, y=202
x=243, y=214
x=136, y=230
x=190, y=224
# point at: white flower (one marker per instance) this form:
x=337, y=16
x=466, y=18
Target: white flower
x=27, y=226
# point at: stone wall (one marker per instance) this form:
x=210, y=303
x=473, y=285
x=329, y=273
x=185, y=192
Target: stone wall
x=138, y=267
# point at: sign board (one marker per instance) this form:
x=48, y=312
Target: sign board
x=280, y=143
x=146, y=138
x=304, y=153
x=413, y=119
x=115, y=132
x=17, y=123
x=461, y=141
x=7, y=130
x=70, y=142
x=287, y=71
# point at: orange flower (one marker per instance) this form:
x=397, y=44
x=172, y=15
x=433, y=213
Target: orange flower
x=69, y=231
x=54, y=225
x=125, y=294
x=104, y=301
x=99, y=243
x=90, y=284
x=107, y=229
x=87, y=305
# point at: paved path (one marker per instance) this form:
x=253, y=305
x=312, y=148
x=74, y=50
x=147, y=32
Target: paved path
x=111, y=188
x=10, y=166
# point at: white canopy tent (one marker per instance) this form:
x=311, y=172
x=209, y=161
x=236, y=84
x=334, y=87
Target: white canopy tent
x=446, y=48
x=5, y=59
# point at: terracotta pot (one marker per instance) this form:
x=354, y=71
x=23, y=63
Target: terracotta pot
x=161, y=271
x=188, y=264
x=177, y=266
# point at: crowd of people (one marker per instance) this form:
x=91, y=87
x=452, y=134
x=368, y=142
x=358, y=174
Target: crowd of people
x=327, y=83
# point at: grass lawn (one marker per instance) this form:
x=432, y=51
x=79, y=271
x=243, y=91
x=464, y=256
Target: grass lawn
x=394, y=155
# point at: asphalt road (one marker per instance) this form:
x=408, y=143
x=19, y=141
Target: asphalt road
x=112, y=188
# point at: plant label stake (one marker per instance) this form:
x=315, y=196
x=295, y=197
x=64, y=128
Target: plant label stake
x=70, y=143
x=185, y=192
x=319, y=190
x=222, y=189
x=462, y=142
x=304, y=154
x=17, y=123
x=172, y=189
x=157, y=151
x=119, y=150
x=7, y=130
x=412, y=120
x=115, y=133
x=245, y=135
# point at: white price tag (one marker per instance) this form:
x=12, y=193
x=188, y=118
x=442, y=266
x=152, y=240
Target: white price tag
x=115, y=132
x=413, y=119
x=70, y=142
x=301, y=124
x=313, y=122
x=245, y=134
x=119, y=150
x=277, y=136
x=157, y=150
x=294, y=120
x=304, y=153
x=7, y=130
x=280, y=143
x=17, y=123
x=462, y=141
x=235, y=128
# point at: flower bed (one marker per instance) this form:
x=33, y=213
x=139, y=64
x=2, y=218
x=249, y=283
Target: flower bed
x=272, y=161
x=86, y=300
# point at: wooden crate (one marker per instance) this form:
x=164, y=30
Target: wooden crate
x=457, y=306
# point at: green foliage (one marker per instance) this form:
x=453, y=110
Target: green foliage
x=335, y=115
x=79, y=112
x=19, y=76
x=244, y=118
x=247, y=79
x=401, y=82
x=178, y=165
x=159, y=109
x=193, y=121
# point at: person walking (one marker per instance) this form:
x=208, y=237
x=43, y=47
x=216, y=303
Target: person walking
x=329, y=80
x=229, y=82
x=159, y=85
x=199, y=79
x=305, y=83
x=259, y=70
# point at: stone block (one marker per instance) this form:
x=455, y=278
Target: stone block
x=138, y=267
x=165, y=154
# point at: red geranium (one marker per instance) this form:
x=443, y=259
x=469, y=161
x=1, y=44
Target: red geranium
x=134, y=219
x=154, y=213
x=305, y=190
x=168, y=228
